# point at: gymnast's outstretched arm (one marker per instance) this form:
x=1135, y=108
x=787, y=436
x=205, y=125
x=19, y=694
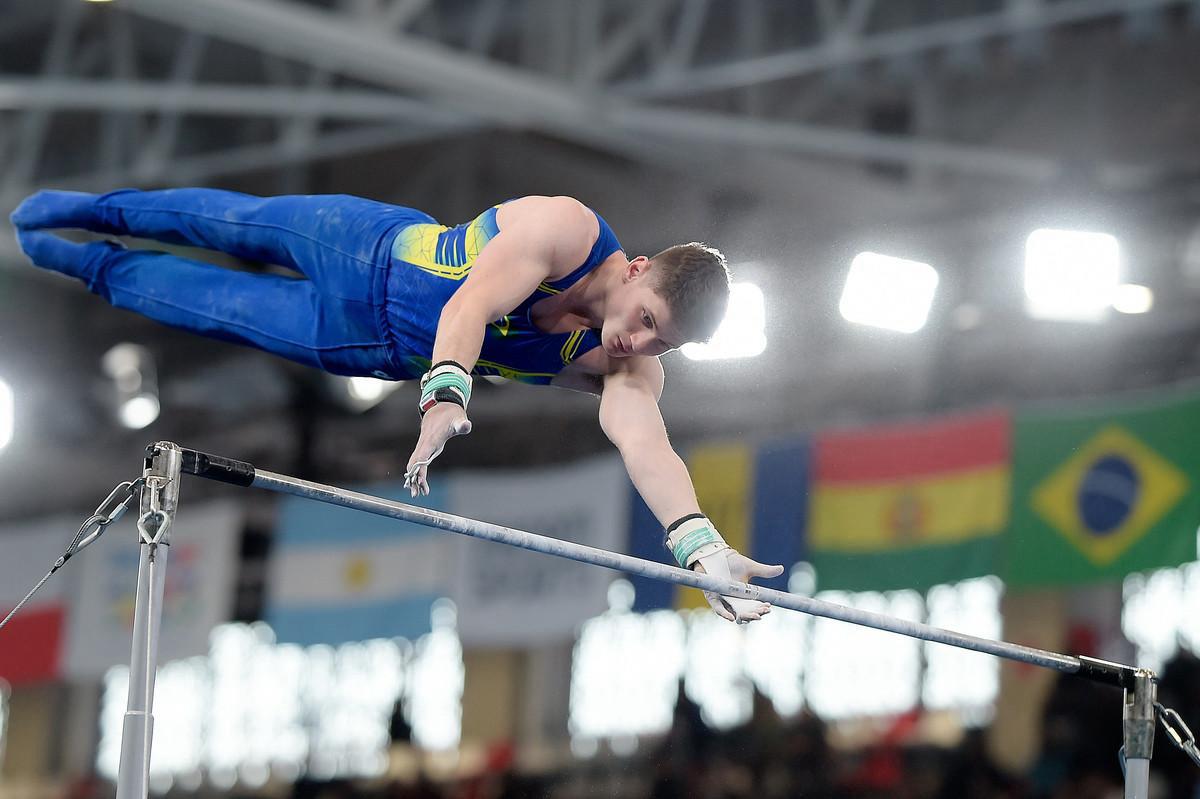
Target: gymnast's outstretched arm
x=630, y=417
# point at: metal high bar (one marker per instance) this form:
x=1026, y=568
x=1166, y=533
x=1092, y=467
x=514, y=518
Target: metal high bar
x=166, y=462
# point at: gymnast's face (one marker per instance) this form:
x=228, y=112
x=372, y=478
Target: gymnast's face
x=638, y=321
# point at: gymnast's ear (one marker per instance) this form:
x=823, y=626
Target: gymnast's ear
x=636, y=267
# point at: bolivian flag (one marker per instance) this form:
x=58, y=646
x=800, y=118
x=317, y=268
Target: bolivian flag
x=911, y=505
x=1102, y=489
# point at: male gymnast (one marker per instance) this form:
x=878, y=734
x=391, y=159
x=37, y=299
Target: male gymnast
x=536, y=289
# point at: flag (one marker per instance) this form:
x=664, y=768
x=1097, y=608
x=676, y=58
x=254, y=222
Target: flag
x=513, y=597
x=756, y=497
x=339, y=575
x=198, y=594
x=723, y=476
x=32, y=644
x=780, y=511
x=1104, y=489
x=909, y=505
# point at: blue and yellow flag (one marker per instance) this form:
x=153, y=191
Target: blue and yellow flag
x=1102, y=490
x=756, y=498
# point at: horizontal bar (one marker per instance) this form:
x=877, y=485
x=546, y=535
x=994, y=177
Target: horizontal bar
x=241, y=473
x=214, y=467
x=657, y=571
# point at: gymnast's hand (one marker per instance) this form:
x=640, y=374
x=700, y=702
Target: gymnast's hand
x=442, y=422
x=729, y=564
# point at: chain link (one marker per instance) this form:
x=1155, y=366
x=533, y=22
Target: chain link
x=107, y=512
x=153, y=524
x=1178, y=732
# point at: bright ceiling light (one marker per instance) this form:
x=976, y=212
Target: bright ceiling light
x=367, y=389
x=1070, y=275
x=1132, y=298
x=135, y=384
x=892, y=293
x=364, y=393
x=6, y=415
x=139, y=411
x=742, y=333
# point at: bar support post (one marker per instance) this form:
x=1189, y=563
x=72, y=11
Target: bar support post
x=159, y=501
x=1138, y=722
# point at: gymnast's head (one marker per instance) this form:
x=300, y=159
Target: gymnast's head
x=662, y=302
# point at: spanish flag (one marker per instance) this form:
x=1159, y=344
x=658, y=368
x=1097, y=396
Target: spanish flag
x=910, y=505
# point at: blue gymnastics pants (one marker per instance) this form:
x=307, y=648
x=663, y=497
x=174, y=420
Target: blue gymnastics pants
x=332, y=318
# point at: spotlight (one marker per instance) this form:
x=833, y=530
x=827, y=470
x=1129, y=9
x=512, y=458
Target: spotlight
x=139, y=411
x=363, y=393
x=131, y=369
x=888, y=292
x=1070, y=275
x=742, y=333
x=1132, y=298
x=366, y=389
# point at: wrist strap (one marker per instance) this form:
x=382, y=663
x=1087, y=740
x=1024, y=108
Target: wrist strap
x=447, y=381
x=683, y=519
x=693, y=537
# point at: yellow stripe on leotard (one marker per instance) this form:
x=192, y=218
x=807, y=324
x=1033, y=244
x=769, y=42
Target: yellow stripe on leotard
x=571, y=345
x=510, y=373
x=444, y=251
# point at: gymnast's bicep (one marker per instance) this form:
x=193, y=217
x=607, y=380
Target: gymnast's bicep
x=546, y=239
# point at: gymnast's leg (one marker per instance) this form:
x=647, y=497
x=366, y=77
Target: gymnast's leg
x=338, y=241
x=286, y=316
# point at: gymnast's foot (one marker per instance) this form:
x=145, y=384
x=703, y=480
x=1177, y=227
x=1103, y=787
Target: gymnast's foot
x=57, y=209
x=66, y=257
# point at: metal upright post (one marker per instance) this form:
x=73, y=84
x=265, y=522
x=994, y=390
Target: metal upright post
x=159, y=501
x=1139, y=720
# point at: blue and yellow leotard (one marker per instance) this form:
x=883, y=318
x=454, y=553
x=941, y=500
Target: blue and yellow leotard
x=429, y=263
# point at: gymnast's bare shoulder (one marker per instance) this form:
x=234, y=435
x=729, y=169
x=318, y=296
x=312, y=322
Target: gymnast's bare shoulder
x=571, y=224
x=591, y=371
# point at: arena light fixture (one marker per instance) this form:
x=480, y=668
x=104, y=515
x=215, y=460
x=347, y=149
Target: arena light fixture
x=1070, y=275
x=367, y=392
x=888, y=292
x=742, y=333
x=139, y=411
x=135, y=383
x=6, y=415
x=1132, y=298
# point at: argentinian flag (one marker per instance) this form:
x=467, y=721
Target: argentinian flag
x=339, y=575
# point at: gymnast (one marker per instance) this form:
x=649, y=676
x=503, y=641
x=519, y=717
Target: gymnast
x=536, y=289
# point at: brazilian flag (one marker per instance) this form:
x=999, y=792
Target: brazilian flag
x=1104, y=489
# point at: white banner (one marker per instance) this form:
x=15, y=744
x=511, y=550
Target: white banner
x=31, y=644
x=201, y=570
x=512, y=597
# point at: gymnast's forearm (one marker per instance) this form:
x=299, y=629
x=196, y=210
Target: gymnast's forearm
x=460, y=334
x=660, y=476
